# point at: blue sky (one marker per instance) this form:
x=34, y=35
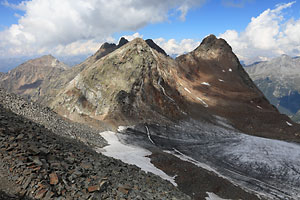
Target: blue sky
x=213, y=17
x=78, y=27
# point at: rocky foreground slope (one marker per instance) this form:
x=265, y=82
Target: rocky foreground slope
x=279, y=80
x=35, y=163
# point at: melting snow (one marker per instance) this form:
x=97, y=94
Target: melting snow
x=212, y=196
x=123, y=128
x=205, y=83
x=187, y=90
x=221, y=80
x=288, y=123
x=203, y=102
x=149, y=137
x=131, y=155
x=163, y=89
x=189, y=159
x=259, y=107
x=230, y=70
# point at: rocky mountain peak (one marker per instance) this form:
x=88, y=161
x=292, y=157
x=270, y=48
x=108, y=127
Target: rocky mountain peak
x=107, y=48
x=153, y=45
x=44, y=62
x=107, y=45
x=122, y=42
x=211, y=42
x=28, y=78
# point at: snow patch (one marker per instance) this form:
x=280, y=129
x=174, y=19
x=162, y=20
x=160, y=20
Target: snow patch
x=131, y=155
x=121, y=129
x=188, y=90
x=230, y=70
x=213, y=196
x=205, y=83
x=259, y=107
x=163, y=90
x=203, y=102
x=148, y=134
x=223, y=71
x=288, y=123
x=221, y=80
x=189, y=159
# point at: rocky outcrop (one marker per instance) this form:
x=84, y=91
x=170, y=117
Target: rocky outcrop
x=279, y=80
x=152, y=44
x=107, y=48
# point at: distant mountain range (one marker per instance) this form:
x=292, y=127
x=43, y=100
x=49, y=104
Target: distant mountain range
x=33, y=78
x=279, y=80
x=7, y=64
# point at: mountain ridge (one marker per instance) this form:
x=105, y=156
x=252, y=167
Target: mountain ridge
x=279, y=79
x=136, y=84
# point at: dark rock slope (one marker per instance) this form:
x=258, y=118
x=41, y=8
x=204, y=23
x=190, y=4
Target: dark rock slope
x=50, y=120
x=38, y=164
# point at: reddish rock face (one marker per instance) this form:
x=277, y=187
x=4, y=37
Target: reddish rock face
x=53, y=178
x=213, y=73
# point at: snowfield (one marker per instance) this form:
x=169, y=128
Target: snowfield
x=131, y=155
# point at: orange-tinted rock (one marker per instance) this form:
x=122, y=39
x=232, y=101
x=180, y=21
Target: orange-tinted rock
x=53, y=178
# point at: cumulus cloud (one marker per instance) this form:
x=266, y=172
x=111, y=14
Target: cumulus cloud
x=267, y=35
x=20, y=6
x=57, y=25
x=173, y=47
x=133, y=36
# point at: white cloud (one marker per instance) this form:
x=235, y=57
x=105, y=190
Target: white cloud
x=20, y=6
x=133, y=36
x=49, y=25
x=266, y=36
x=173, y=47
